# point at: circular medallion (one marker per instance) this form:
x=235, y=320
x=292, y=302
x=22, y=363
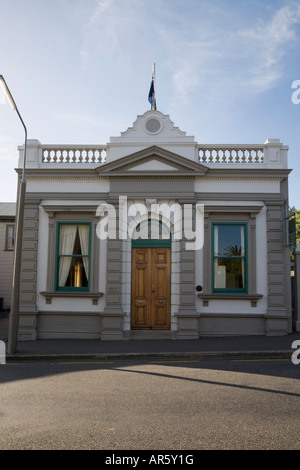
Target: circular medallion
x=153, y=125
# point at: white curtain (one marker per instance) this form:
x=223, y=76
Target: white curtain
x=216, y=240
x=243, y=253
x=84, y=244
x=242, y=241
x=67, y=236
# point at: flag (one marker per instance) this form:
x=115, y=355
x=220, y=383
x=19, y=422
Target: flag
x=151, y=96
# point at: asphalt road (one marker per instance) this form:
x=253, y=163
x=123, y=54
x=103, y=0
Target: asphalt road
x=137, y=405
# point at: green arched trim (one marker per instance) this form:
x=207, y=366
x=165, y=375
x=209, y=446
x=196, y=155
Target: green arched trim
x=151, y=242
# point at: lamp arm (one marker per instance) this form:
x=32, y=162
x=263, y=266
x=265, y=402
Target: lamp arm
x=25, y=147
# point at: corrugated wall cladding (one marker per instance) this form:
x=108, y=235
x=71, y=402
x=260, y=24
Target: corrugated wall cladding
x=6, y=268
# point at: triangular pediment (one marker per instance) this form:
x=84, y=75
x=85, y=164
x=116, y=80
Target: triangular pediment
x=152, y=161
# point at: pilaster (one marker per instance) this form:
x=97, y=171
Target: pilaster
x=112, y=316
x=297, y=288
x=28, y=311
x=187, y=316
x=278, y=313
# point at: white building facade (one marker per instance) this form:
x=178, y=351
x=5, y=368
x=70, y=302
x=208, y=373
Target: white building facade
x=155, y=236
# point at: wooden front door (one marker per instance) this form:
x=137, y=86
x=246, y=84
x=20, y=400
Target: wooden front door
x=150, y=306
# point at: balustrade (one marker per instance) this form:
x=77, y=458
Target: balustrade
x=78, y=154
x=208, y=154
x=230, y=154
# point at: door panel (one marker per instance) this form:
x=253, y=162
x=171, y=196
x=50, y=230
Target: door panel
x=160, y=274
x=140, y=282
x=151, y=288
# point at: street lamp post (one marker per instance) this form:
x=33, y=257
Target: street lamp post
x=15, y=299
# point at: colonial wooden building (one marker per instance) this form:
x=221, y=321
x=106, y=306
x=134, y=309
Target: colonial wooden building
x=7, y=243
x=155, y=235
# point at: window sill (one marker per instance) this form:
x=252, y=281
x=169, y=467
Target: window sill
x=252, y=297
x=83, y=295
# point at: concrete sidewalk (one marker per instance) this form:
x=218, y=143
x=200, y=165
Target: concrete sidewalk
x=202, y=347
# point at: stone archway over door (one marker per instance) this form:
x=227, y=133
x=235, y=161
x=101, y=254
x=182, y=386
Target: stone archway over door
x=151, y=288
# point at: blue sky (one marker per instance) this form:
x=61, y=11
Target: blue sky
x=80, y=72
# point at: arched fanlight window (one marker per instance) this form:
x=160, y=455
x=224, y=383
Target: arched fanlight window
x=151, y=232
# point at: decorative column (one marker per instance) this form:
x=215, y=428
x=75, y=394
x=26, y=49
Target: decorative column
x=112, y=316
x=187, y=317
x=278, y=316
x=28, y=309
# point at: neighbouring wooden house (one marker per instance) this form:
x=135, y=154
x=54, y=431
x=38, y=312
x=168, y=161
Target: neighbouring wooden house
x=154, y=235
x=7, y=243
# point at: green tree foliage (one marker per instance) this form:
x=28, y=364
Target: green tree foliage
x=294, y=217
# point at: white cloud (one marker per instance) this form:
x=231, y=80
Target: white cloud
x=268, y=43
x=107, y=126
x=225, y=60
x=80, y=119
x=210, y=50
x=110, y=27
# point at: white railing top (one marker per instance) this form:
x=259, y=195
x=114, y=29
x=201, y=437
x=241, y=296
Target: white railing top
x=206, y=154
x=73, y=154
x=271, y=154
x=231, y=154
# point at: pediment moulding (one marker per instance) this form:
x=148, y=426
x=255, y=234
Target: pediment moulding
x=152, y=161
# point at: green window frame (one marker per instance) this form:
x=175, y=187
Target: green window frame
x=73, y=256
x=229, y=257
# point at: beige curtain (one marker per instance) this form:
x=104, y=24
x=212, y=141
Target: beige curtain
x=66, y=246
x=243, y=253
x=84, y=243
